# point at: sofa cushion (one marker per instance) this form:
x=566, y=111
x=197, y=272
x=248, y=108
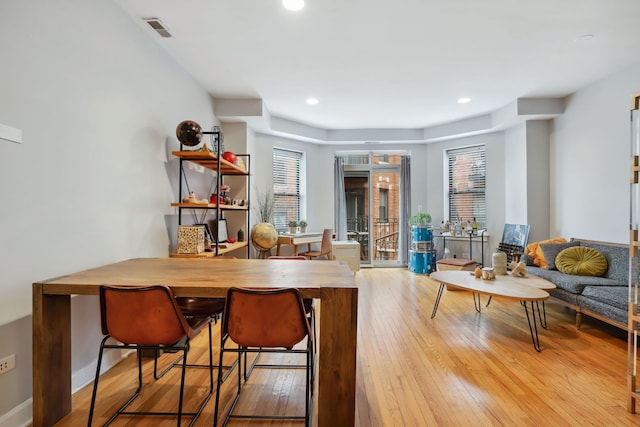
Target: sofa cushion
x=582, y=261
x=572, y=283
x=616, y=296
x=527, y=259
x=551, y=251
x=617, y=259
x=535, y=252
x=610, y=312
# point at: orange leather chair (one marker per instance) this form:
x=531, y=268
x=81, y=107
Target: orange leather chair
x=265, y=321
x=197, y=309
x=147, y=318
x=309, y=309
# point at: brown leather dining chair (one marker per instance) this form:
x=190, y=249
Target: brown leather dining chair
x=264, y=321
x=309, y=309
x=198, y=309
x=147, y=318
x=325, y=246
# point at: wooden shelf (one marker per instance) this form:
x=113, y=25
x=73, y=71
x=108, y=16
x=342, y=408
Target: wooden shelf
x=209, y=160
x=222, y=249
x=210, y=206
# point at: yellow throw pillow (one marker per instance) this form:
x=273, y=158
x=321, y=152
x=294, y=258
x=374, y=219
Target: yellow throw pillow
x=535, y=251
x=582, y=261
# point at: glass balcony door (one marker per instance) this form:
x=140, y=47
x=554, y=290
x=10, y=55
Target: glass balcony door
x=372, y=191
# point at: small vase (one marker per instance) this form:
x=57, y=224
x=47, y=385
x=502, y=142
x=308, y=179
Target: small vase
x=303, y=229
x=499, y=261
x=226, y=199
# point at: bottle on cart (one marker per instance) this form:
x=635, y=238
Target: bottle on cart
x=474, y=227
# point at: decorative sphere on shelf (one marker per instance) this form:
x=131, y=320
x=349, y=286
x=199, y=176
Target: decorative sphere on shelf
x=264, y=236
x=189, y=133
x=229, y=157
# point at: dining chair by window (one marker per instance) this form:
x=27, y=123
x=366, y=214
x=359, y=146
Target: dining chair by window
x=147, y=318
x=265, y=321
x=325, y=246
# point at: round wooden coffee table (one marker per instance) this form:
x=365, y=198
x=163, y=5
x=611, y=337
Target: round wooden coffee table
x=530, y=289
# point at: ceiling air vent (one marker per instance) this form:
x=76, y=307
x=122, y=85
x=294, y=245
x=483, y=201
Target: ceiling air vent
x=158, y=26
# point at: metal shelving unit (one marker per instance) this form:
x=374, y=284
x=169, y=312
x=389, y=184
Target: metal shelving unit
x=215, y=162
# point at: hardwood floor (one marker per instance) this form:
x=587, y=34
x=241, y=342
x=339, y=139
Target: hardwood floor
x=461, y=368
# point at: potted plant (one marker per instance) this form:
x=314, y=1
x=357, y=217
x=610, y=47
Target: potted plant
x=420, y=218
x=265, y=205
x=303, y=226
x=293, y=227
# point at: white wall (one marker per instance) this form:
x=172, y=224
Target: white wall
x=590, y=149
x=537, y=183
x=515, y=153
x=96, y=100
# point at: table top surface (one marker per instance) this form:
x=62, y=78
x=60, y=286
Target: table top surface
x=530, y=288
x=207, y=277
x=305, y=234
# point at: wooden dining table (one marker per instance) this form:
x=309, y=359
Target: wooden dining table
x=330, y=281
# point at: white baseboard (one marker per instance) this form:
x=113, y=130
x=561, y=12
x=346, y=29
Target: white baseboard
x=20, y=416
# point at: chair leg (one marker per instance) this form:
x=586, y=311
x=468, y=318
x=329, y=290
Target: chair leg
x=178, y=360
x=309, y=382
x=95, y=383
x=179, y=413
x=220, y=380
x=135, y=394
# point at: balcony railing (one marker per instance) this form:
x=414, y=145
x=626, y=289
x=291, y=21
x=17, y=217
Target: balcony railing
x=384, y=232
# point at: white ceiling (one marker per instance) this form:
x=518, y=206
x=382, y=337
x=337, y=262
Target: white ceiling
x=394, y=64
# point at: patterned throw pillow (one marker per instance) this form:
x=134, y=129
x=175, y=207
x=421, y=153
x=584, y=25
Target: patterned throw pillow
x=551, y=251
x=582, y=261
x=535, y=252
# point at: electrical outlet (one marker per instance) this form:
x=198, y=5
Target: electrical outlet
x=8, y=363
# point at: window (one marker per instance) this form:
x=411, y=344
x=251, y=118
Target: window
x=287, y=172
x=383, y=207
x=466, y=184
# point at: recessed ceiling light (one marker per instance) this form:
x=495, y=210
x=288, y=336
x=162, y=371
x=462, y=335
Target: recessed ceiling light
x=585, y=37
x=464, y=100
x=312, y=101
x=294, y=5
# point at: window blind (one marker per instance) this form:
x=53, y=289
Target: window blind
x=286, y=187
x=467, y=178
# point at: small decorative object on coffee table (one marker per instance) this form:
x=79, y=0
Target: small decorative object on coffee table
x=499, y=261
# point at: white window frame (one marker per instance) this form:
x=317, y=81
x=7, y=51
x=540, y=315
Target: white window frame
x=300, y=156
x=481, y=214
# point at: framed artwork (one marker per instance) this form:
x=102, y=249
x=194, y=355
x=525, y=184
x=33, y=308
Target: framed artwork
x=515, y=234
x=220, y=232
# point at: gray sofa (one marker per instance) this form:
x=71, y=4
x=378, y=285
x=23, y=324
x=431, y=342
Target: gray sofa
x=605, y=297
